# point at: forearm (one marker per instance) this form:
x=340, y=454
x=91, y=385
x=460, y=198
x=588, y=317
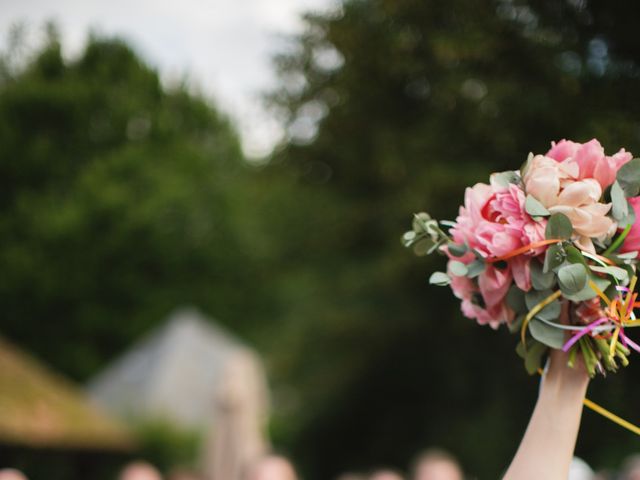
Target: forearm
x=548, y=444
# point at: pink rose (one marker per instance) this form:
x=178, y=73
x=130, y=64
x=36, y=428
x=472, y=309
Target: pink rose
x=591, y=159
x=484, y=299
x=494, y=222
x=632, y=241
x=493, y=316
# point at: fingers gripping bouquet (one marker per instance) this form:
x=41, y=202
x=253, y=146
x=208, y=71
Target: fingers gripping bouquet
x=560, y=230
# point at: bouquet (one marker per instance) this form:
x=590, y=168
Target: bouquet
x=560, y=234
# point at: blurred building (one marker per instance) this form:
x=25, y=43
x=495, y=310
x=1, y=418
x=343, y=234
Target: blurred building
x=194, y=374
x=44, y=415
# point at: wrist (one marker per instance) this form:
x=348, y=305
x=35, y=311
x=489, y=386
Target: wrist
x=566, y=386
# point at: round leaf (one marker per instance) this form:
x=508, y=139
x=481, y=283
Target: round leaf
x=457, y=250
x=458, y=269
x=559, y=227
x=534, y=207
x=546, y=334
x=439, y=278
x=620, y=206
x=572, y=278
x=629, y=177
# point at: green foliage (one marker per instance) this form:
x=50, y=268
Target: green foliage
x=558, y=227
x=167, y=445
x=120, y=200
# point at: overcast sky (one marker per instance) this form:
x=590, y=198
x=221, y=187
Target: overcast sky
x=223, y=45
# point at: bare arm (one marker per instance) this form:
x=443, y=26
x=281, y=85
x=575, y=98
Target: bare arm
x=547, y=447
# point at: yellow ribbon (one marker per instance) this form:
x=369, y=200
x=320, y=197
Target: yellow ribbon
x=607, y=414
x=611, y=416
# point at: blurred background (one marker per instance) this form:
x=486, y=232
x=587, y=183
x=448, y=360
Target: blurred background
x=200, y=212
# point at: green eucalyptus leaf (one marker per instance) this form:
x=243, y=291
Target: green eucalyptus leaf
x=423, y=246
x=546, y=334
x=572, y=278
x=532, y=355
x=629, y=219
x=587, y=293
x=457, y=250
x=504, y=179
x=558, y=226
x=574, y=255
x=515, y=299
x=539, y=279
x=620, y=206
x=408, y=238
x=534, y=297
x=629, y=177
x=439, y=278
x=534, y=207
x=458, y=269
x=616, y=272
x=516, y=325
x=420, y=221
x=624, y=256
x=554, y=257
x=475, y=268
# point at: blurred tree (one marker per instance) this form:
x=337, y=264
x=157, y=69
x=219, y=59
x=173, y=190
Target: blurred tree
x=393, y=107
x=121, y=199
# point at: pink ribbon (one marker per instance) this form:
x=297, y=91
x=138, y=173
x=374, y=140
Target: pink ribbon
x=627, y=341
x=581, y=333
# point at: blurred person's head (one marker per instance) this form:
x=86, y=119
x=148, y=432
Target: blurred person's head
x=139, y=471
x=436, y=464
x=11, y=474
x=580, y=470
x=272, y=467
x=631, y=468
x=385, y=475
x=182, y=474
x=351, y=476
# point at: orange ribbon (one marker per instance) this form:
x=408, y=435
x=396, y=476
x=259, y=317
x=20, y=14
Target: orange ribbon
x=525, y=249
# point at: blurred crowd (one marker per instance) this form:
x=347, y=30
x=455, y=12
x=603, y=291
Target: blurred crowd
x=432, y=464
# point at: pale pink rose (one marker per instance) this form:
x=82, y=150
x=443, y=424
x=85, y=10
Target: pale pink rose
x=632, y=241
x=556, y=186
x=579, y=202
x=592, y=161
x=545, y=177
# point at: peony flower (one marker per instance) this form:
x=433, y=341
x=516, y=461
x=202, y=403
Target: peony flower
x=545, y=178
x=484, y=299
x=580, y=202
x=557, y=185
x=591, y=159
x=632, y=241
x=494, y=223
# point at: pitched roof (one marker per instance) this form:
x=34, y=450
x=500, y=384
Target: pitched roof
x=41, y=409
x=172, y=374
